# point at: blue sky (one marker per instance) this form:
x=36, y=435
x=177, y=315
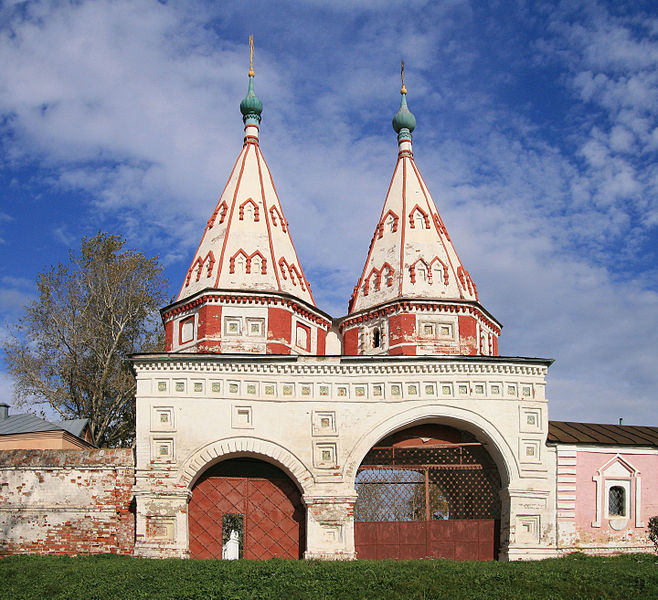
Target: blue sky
x=537, y=135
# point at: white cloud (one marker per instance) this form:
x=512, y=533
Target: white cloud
x=136, y=103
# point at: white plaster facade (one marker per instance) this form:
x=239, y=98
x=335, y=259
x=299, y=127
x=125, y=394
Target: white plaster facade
x=195, y=410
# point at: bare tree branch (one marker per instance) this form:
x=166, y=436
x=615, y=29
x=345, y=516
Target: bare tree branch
x=69, y=349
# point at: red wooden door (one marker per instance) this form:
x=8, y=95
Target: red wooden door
x=269, y=502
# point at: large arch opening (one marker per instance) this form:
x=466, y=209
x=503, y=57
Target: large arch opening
x=428, y=491
x=246, y=508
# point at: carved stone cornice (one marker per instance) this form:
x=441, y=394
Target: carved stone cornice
x=331, y=366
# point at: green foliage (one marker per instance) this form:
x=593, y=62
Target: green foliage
x=121, y=578
x=69, y=349
x=653, y=531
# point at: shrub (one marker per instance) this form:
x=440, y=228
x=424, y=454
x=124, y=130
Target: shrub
x=653, y=531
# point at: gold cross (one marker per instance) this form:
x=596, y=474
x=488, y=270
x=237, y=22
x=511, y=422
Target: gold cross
x=251, y=56
x=404, y=89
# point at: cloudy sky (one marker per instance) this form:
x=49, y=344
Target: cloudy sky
x=537, y=135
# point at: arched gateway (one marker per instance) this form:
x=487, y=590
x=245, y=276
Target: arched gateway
x=429, y=491
x=246, y=508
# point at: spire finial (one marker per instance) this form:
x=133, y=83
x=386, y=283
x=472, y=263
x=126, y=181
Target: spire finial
x=251, y=106
x=251, y=56
x=404, y=121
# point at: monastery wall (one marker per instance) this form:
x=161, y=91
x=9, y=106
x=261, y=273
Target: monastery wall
x=66, y=501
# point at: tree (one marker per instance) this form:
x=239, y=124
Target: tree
x=69, y=349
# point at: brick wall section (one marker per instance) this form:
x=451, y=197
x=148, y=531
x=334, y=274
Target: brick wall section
x=67, y=501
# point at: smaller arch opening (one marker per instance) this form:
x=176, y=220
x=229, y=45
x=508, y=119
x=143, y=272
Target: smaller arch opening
x=250, y=504
x=376, y=338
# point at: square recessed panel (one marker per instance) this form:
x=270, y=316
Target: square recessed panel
x=377, y=390
x=463, y=388
x=162, y=386
x=288, y=390
x=255, y=327
x=162, y=450
x=446, y=389
x=242, y=417
x=179, y=386
x=197, y=387
x=324, y=422
x=429, y=389
x=324, y=391
x=529, y=451
x=412, y=390
x=325, y=454
x=215, y=387
x=160, y=528
x=232, y=326
x=306, y=390
x=162, y=418
x=496, y=388
x=395, y=390
x=269, y=389
x=530, y=420
x=445, y=330
x=342, y=391
x=527, y=528
x=233, y=387
x=511, y=390
x=251, y=387
x=526, y=391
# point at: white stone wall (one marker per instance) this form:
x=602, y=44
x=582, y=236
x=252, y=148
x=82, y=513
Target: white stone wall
x=195, y=410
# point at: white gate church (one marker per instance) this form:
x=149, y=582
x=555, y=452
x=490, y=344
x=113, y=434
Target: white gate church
x=396, y=431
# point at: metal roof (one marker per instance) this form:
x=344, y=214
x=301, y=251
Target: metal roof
x=27, y=423
x=73, y=426
x=568, y=432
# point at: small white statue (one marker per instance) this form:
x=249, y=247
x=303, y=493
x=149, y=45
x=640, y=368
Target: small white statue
x=231, y=549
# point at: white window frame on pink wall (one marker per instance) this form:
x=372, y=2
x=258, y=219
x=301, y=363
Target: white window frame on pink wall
x=632, y=483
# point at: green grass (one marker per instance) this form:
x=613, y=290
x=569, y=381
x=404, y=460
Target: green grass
x=629, y=577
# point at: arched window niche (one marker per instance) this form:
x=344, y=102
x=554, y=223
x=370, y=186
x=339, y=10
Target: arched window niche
x=618, y=495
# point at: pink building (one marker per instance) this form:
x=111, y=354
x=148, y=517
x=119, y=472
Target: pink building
x=607, y=485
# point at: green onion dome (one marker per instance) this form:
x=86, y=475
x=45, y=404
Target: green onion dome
x=251, y=106
x=404, y=121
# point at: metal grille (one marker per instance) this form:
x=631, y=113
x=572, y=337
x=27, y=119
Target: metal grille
x=425, y=484
x=617, y=501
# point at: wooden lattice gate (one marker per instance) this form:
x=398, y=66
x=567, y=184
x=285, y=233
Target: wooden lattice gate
x=256, y=500
x=428, y=492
